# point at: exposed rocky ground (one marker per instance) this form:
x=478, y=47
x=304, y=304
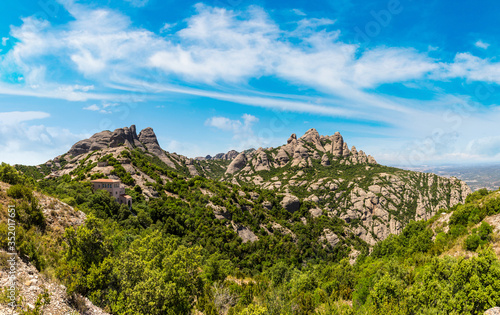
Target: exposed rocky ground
x=30, y=282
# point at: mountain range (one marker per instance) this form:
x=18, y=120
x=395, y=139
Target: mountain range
x=309, y=227
x=320, y=172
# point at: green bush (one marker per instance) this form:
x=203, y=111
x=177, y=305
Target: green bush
x=20, y=192
x=480, y=236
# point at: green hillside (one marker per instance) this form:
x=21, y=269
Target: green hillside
x=176, y=255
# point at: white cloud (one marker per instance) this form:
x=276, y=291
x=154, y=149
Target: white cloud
x=23, y=143
x=4, y=41
x=242, y=131
x=31, y=145
x=481, y=44
x=16, y=117
x=92, y=107
x=218, y=46
x=106, y=105
x=166, y=27
x=298, y=12
x=182, y=147
x=470, y=67
x=101, y=109
x=138, y=3
x=486, y=146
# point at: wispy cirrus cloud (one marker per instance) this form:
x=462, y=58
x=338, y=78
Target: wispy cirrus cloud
x=217, y=46
x=16, y=117
x=217, y=53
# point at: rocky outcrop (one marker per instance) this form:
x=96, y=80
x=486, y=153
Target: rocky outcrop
x=325, y=161
x=127, y=137
x=290, y=203
x=493, y=311
x=148, y=138
x=237, y=164
x=224, y=156
x=31, y=283
x=230, y=155
x=282, y=157
x=312, y=136
x=337, y=144
x=260, y=162
x=245, y=233
x=345, y=150
x=300, y=156
x=98, y=141
x=107, y=139
x=300, y=152
x=330, y=237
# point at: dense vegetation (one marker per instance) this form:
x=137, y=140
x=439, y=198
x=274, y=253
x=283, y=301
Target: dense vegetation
x=171, y=255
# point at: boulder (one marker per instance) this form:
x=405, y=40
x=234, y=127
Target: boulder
x=291, y=203
x=325, y=161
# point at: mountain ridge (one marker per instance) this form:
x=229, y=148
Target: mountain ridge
x=319, y=173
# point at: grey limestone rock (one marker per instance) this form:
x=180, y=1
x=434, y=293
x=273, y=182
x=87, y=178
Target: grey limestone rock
x=237, y=164
x=291, y=203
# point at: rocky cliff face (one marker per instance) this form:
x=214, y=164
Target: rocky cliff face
x=322, y=173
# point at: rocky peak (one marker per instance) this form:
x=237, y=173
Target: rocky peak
x=148, y=137
x=107, y=139
x=310, y=135
x=124, y=136
x=292, y=137
x=337, y=144
x=353, y=150
x=313, y=136
x=230, y=155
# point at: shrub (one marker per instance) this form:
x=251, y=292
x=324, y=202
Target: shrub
x=20, y=192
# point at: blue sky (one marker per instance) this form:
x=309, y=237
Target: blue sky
x=409, y=82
